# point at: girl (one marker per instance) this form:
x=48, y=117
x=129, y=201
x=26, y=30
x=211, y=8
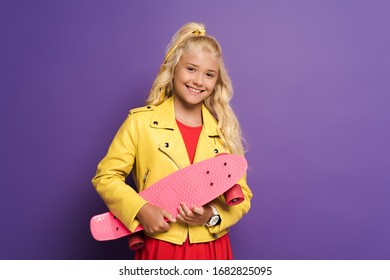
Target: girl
x=187, y=119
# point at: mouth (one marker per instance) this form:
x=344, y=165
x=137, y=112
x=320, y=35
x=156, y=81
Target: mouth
x=194, y=90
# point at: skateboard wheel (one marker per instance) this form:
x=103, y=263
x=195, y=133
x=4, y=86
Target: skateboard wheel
x=136, y=241
x=234, y=195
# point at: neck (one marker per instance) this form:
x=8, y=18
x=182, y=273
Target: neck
x=188, y=115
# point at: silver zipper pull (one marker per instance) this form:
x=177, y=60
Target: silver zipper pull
x=146, y=175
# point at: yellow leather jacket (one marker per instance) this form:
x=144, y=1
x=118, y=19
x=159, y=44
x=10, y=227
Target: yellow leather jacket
x=150, y=146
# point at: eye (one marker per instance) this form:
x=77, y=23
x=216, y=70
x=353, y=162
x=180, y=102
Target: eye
x=191, y=69
x=210, y=75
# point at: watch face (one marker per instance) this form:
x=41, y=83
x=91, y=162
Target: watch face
x=214, y=220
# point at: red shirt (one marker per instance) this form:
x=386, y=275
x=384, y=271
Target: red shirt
x=190, y=136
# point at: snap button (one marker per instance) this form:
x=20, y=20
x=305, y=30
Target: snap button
x=216, y=151
x=155, y=122
x=215, y=236
x=166, y=145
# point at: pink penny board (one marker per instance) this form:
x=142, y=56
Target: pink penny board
x=196, y=184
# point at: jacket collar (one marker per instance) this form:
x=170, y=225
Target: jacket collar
x=164, y=115
x=164, y=118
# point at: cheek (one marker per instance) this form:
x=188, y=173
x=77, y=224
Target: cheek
x=174, y=83
x=211, y=85
x=178, y=82
x=175, y=78
x=180, y=76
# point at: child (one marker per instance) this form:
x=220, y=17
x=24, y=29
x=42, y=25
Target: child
x=187, y=119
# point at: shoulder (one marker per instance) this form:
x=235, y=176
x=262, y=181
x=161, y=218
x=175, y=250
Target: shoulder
x=141, y=115
x=144, y=109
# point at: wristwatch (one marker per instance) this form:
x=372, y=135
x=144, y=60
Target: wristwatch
x=215, y=219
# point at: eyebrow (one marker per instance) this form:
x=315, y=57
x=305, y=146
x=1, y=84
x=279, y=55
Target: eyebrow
x=192, y=64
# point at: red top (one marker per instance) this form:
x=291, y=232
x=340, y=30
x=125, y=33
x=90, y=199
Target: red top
x=190, y=136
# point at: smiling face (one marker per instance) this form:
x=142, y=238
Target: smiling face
x=194, y=79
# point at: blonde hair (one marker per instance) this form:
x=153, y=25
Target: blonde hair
x=192, y=36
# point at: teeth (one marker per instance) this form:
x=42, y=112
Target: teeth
x=194, y=90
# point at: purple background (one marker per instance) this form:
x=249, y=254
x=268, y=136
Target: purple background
x=312, y=88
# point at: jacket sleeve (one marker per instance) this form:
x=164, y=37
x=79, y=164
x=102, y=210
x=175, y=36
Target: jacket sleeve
x=230, y=215
x=121, y=199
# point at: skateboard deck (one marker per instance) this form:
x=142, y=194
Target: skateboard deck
x=197, y=184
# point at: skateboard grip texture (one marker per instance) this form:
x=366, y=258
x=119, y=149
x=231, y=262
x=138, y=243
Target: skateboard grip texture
x=195, y=185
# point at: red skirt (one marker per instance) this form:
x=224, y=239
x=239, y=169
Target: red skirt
x=155, y=249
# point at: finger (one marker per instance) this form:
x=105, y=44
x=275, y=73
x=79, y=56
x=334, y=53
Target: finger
x=198, y=210
x=164, y=226
x=180, y=218
x=168, y=215
x=161, y=227
x=185, y=219
x=182, y=214
x=186, y=210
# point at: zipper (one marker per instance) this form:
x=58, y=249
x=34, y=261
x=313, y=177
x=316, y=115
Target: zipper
x=146, y=176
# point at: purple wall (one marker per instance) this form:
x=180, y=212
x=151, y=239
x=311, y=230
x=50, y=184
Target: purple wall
x=312, y=93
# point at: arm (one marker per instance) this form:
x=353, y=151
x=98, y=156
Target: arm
x=121, y=199
x=109, y=181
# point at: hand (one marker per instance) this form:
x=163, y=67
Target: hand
x=196, y=215
x=152, y=219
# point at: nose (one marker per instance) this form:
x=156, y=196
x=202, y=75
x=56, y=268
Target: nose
x=198, y=79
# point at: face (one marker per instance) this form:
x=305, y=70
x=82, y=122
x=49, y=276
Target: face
x=194, y=78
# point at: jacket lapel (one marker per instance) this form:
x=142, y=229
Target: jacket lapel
x=208, y=146
x=173, y=145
